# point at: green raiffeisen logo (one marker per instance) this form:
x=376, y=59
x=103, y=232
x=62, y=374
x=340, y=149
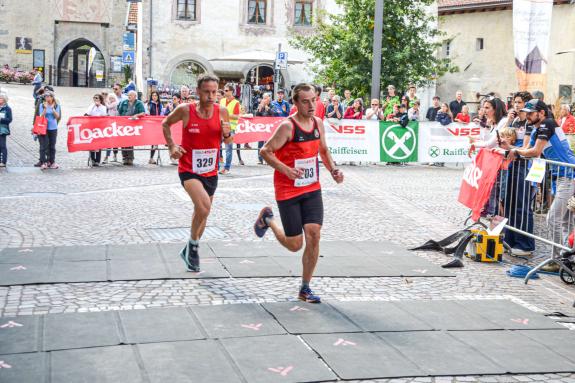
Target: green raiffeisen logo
x=434, y=151
x=398, y=144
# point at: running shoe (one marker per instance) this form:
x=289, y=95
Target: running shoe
x=307, y=295
x=260, y=227
x=191, y=257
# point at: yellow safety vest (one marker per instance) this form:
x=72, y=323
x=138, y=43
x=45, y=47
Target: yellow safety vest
x=230, y=107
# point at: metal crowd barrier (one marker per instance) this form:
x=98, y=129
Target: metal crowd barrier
x=537, y=211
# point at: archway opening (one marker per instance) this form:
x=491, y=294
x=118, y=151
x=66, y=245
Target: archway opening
x=186, y=73
x=81, y=64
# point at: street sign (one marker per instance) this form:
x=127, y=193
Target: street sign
x=128, y=58
x=129, y=41
x=281, y=60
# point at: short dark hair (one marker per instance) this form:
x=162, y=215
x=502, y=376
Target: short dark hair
x=525, y=96
x=206, y=77
x=177, y=95
x=437, y=98
x=302, y=87
x=318, y=88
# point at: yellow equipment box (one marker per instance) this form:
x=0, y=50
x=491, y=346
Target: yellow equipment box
x=484, y=247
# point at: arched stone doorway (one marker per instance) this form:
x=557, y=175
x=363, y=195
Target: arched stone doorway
x=187, y=73
x=81, y=64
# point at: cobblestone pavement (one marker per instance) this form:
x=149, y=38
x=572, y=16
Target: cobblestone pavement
x=76, y=205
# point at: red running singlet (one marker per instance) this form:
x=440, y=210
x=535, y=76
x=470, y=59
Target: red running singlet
x=201, y=139
x=300, y=152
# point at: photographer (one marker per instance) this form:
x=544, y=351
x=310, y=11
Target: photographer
x=375, y=112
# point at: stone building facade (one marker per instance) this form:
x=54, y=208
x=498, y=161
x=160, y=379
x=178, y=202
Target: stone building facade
x=481, y=45
x=60, y=35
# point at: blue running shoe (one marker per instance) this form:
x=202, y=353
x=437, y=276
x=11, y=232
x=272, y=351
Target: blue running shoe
x=260, y=227
x=191, y=257
x=307, y=295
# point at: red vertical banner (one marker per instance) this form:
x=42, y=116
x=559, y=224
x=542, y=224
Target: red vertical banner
x=478, y=180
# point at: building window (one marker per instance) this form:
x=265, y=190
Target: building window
x=479, y=44
x=303, y=12
x=257, y=11
x=447, y=48
x=186, y=10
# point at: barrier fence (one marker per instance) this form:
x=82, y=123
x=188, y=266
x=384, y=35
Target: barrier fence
x=533, y=196
x=348, y=140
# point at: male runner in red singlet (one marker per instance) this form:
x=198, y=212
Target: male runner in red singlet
x=203, y=127
x=292, y=151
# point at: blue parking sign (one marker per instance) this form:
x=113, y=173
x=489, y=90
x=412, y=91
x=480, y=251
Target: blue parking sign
x=128, y=58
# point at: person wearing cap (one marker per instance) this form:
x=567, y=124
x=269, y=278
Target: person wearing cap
x=549, y=139
x=280, y=106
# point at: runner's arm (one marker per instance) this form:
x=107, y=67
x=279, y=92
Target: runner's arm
x=226, y=131
x=278, y=139
x=325, y=155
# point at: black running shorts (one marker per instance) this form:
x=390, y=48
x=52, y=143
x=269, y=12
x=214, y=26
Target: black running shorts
x=210, y=184
x=299, y=211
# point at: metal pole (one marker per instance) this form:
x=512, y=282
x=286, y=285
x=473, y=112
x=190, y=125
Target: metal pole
x=377, y=38
x=276, y=73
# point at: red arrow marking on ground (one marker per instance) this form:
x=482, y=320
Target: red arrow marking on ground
x=252, y=326
x=18, y=268
x=343, y=342
x=522, y=321
x=11, y=324
x=247, y=261
x=4, y=364
x=281, y=370
x=297, y=308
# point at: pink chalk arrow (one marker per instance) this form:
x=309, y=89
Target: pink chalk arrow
x=343, y=342
x=25, y=251
x=4, y=364
x=11, y=324
x=522, y=321
x=281, y=370
x=421, y=271
x=18, y=268
x=252, y=326
x=247, y=261
x=297, y=308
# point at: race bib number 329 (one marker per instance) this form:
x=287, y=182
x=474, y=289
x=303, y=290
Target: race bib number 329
x=204, y=160
x=309, y=167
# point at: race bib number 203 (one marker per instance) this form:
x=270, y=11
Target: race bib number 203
x=309, y=167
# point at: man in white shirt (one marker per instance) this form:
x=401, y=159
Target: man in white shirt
x=375, y=112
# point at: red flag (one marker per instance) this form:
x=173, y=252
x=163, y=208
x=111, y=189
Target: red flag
x=478, y=180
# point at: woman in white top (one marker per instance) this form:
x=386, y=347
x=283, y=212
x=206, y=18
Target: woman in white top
x=112, y=106
x=97, y=109
x=494, y=110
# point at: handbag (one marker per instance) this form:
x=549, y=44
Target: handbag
x=40, y=125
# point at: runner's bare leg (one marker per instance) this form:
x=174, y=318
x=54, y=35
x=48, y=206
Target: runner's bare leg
x=291, y=243
x=202, y=207
x=311, y=252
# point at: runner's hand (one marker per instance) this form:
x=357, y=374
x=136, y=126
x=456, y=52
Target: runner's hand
x=176, y=152
x=294, y=173
x=337, y=175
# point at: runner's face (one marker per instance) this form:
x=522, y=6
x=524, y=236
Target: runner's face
x=208, y=92
x=306, y=103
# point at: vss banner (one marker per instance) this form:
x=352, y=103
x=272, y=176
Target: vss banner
x=353, y=140
x=531, y=30
x=94, y=133
x=450, y=143
x=256, y=129
x=478, y=179
x=398, y=144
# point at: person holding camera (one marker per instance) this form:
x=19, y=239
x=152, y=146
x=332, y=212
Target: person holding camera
x=334, y=109
x=375, y=112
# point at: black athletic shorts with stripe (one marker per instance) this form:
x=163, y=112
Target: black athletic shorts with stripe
x=299, y=211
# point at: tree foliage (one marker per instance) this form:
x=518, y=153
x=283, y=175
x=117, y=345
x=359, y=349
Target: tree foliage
x=342, y=45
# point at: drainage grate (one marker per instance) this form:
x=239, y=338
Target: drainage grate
x=183, y=233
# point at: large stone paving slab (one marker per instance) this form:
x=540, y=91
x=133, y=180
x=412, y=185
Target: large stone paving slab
x=102, y=365
x=23, y=368
x=438, y=353
x=218, y=260
x=361, y=356
x=159, y=325
x=202, y=361
x=559, y=341
x=509, y=315
x=516, y=352
x=20, y=334
x=279, y=358
x=237, y=320
x=380, y=316
x=302, y=318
